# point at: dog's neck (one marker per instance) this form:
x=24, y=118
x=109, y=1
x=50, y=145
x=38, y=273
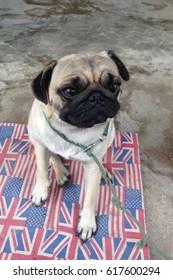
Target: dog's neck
x=85, y=148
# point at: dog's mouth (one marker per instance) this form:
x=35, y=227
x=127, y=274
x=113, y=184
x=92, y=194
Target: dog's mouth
x=90, y=112
x=87, y=119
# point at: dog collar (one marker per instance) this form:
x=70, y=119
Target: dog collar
x=101, y=139
x=86, y=149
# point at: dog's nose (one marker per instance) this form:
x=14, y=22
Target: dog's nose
x=96, y=98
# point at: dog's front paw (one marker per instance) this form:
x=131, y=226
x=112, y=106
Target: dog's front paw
x=39, y=194
x=86, y=227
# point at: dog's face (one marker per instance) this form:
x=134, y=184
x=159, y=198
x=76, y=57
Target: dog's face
x=83, y=88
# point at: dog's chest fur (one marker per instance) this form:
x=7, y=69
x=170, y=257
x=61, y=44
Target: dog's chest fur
x=42, y=132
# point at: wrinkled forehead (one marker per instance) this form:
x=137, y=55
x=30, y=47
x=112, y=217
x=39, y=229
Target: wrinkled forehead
x=89, y=66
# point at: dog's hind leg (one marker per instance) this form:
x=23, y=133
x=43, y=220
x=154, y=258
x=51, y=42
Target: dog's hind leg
x=62, y=175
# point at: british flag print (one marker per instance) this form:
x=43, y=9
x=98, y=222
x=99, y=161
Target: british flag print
x=49, y=232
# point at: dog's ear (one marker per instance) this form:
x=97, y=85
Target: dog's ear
x=121, y=67
x=40, y=85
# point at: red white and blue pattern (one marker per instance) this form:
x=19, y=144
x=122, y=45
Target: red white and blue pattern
x=48, y=232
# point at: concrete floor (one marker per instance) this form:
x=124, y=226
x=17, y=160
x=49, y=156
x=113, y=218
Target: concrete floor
x=32, y=32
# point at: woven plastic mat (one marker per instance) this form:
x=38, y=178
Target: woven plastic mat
x=48, y=232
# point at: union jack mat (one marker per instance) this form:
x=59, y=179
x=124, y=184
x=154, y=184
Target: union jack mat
x=48, y=232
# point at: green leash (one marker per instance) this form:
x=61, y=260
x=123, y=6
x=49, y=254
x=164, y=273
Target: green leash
x=88, y=150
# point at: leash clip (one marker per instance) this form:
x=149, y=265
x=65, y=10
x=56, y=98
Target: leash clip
x=101, y=139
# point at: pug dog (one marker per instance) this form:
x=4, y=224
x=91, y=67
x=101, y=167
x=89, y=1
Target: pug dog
x=77, y=96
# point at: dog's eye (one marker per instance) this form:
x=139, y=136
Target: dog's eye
x=116, y=89
x=68, y=93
